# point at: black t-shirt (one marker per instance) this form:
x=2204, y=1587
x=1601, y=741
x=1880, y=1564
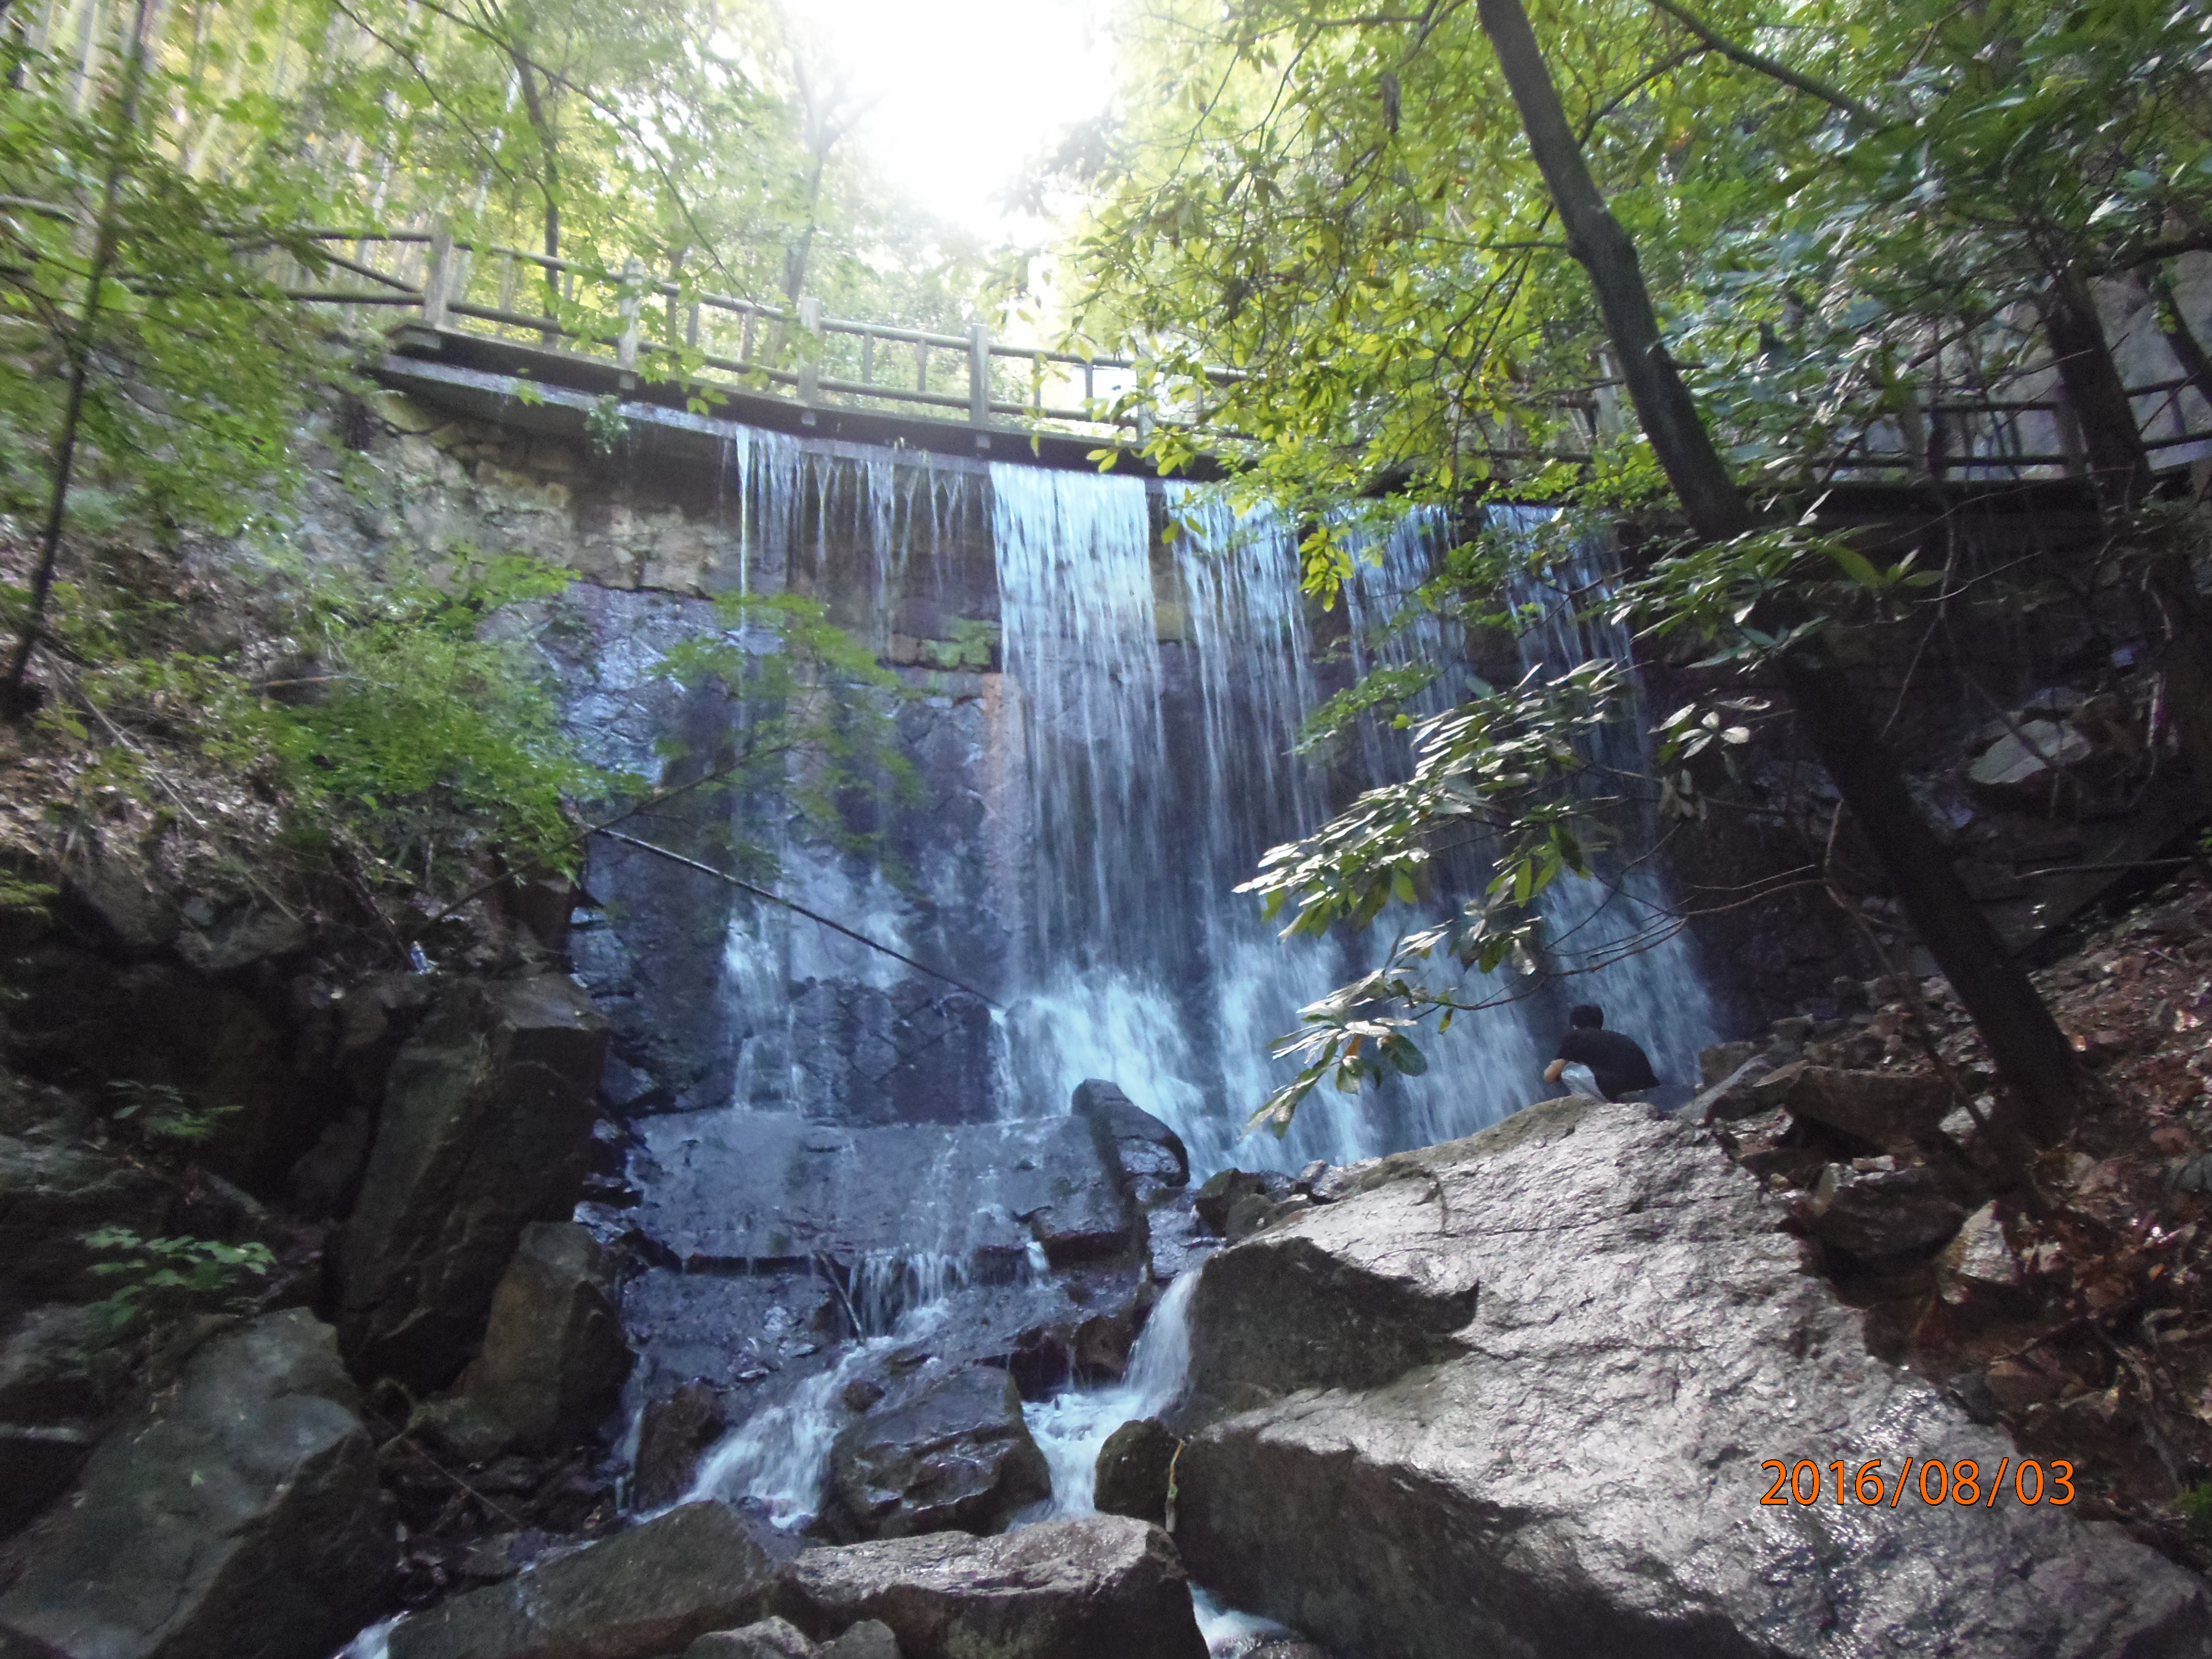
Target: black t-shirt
x=1617, y=1063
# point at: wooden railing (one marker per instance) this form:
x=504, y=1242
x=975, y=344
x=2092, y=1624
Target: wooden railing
x=823, y=361
x=819, y=361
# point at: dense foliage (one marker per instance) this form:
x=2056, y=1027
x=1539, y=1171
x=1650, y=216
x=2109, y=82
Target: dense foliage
x=1840, y=212
x=168, y=177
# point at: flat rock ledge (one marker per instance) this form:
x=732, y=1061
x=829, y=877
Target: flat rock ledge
x=1512, y=1397
x=1104, y=1587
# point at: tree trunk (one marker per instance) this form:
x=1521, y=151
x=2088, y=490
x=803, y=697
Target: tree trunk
x=77, y=347
x=2030, y=1051
x=2120, y=466
x=549, y=170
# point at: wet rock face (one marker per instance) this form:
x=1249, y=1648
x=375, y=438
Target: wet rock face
x=486, y=1127
x=1513, y=1396
x=1103, y=1588
x=1133, y=1470
x=51, y=1195
x=955, y=1453
x=236, y=1518
x=649, y=1591
x=675, y=1434
x=727, y=1189
x=554, y=1359
x=1148, y=1156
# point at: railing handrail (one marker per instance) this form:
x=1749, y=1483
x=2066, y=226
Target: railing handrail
x=2001, y=415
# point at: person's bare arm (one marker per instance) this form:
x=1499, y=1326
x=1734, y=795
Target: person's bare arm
x=1552, y=1071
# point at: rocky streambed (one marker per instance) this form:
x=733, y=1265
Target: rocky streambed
x=1521, y=1394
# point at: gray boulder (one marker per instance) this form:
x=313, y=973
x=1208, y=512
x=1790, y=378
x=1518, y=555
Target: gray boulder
x=486, y=1127
x=1879, y=1108
x=1733, y=1095
x=653, y=1589
x=236, y=1518
x=1101, y=1588
x=1218, y=1198
x=674, y=1434
x=1514, y=1398
x=51, y=1194
x=58, y=1363
x=1882, y=1210
x=767, y=1638
x=554, y=1360
x=871, y=1638
x=1132, y=1474
x=1148, y=1157
x=956, y=1453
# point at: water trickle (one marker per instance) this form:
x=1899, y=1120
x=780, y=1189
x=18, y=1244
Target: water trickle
x=1071, y=1427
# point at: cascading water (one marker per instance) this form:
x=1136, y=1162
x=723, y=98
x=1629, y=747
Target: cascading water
x=1611, y=934
x=1071, y=1427
x=1090, y=809
x=1615, y=931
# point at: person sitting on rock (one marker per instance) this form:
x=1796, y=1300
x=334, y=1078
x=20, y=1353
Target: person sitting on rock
x=1595, y=1061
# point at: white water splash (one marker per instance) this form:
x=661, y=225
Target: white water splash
x=1071, y=1427
x=375, y=1642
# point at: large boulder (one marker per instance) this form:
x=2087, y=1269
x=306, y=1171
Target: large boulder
x=1101, y=1588
x=956, y=1453
x=651, y=1591
x=765, y=1190
x=1147, y=1155
x=1879, y=1108
x=52, y=1192
x=554, y=1360
x=236, y=1518
x=766, y=1638
x=486, y=1127
x=1875, y=1210
x=1134, y=1470
x=1516, y=1395
x=58, y=1364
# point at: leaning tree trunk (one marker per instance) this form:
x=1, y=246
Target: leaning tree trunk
x=77, y=344
x=549, y=174
x=2120, y=466
x=2031, y=1053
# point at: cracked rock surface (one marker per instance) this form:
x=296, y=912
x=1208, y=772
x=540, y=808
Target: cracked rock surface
x=1512, y=1396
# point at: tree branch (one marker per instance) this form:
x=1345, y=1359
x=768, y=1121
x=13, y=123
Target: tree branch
x=1774, y=68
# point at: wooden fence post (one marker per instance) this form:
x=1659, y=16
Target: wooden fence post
x=810, y=365
x=625, y=347
x=439, y=270
x=979, y=376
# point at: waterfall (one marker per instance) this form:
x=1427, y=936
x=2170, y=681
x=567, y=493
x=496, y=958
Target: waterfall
x=1613, y=930
x=1091, y=799
x=1072, y=1427
x=1657, y=994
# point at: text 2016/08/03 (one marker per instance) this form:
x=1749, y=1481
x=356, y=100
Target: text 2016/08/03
x=1930, y=1480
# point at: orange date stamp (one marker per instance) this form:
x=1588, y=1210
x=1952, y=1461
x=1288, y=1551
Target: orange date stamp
x=1931, y=1481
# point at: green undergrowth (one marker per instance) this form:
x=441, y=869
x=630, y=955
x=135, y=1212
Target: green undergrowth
x=259, y=724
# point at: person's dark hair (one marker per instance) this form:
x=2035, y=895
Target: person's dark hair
x=1586, y=1014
